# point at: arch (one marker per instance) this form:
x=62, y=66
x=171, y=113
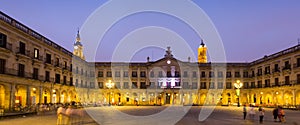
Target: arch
x=288, y=98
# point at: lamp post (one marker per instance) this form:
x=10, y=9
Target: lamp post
x=238, y=85
x=109, y=85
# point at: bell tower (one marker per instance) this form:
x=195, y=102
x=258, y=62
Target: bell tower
x=202, y=58
x=78, y=48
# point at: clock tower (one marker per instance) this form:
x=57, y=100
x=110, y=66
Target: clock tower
x=202, y=58
x=78, y=48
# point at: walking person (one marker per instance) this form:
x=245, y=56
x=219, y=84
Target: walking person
x=282, y=115
x=275, y=114
x=261, y=114
x=245, y=111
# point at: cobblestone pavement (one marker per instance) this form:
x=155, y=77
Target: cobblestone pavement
x=108, y=116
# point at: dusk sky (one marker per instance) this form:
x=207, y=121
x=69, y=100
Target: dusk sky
x=248, y=29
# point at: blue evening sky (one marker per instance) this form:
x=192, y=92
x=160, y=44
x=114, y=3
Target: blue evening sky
x=249, y=29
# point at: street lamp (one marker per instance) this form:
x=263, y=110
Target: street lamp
x=238, y=85
x=109, y=85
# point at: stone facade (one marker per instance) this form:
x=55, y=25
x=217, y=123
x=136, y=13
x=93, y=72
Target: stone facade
x=34, y=69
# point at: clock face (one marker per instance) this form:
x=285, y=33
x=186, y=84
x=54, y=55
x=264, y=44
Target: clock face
x=75, y=47
x=168, y=62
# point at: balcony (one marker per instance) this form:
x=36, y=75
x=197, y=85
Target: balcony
x=6, y=47
x=287, y=67
x=25, y=54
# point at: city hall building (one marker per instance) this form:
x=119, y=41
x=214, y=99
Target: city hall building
x=34, y=69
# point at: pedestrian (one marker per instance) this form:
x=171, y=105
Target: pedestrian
x=245, y=111
x=275, y=114
x=251, y=113
x=261, y=114
x=282, y=115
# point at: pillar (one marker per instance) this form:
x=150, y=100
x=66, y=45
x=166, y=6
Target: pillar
x=12, y=96
x=41, y=95
x=28, y=95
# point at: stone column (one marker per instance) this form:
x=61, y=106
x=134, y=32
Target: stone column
x=41, y=95
x=12, y=96
x=28, y=95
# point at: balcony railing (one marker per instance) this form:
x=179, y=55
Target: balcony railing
x=286, y=67
x=7, y=46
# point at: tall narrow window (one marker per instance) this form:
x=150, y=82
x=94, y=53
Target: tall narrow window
x=21, y=71
x=3, y=40
x=57, y=78
x=22, y=48
x=2, y=66
x=48, y=58
x=36, y=53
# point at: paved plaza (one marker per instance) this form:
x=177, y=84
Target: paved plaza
x=159, y=115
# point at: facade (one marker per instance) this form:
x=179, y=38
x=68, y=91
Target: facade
x=34, y=69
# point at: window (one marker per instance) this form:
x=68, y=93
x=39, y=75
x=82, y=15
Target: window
x=220, y=74
x=194, y=85
x=211, y=85
x=71, y=81
x=36, y=53
x=211, y=74
x=194, y=74
x=237, y=74
x=47, y=76
x=143, y=74
x=185, y=85
x=57, y=78
x=2, y=65
x=92, y=85
x=134, y=74
x=100, y=73
x=152, y=74
x=2, y=40
x=160, y=74
x=100, y=85
x=276, y=82
x=22, y=48
x=259, y=84
x=252, y=84
x=152, y=85
x=117, y=74
x=259, y=72
x=228, y=74
x=220, y=85
x=185, y=74
x=228, y=85
x=21, y=71
x=143, y=85
x=203, y=85
x=287, y=80
x=202, y=74
x=298, y=62
x=125, y=74
x=108, y=74
x=126, y=85
x=245, y=74
x=267, y=70
x=81, y=71
x=169, y=74
x=57, y=62
x=35, y=74
x=134, y=85
x=48, y=58
x=65, y=80
x=267, y=83
x=66, y=64
x=246, y=85
x=276, y=68
x=118, y=85
x=76, y=83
